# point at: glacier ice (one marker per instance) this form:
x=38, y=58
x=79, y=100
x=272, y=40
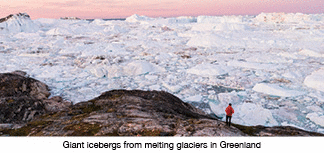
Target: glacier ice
x=270, y=64
x=276, y=90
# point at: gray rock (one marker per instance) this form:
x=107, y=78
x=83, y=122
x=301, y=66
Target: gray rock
x=16, y=85
x=56, y=104
x=22, y=98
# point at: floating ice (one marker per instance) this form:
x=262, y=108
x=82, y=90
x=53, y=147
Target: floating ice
x=255, y=65
x=316, y=80
x=206, y=70
x=172, y=88
x=59, y=31
x=211, y=40
x=195, y=98
x=187, y=56
x=317, y=118
x=18, y=23
x=276, y=90
x=253, y=114
x=219, y=19
x=141, y=67
x=308, y=52
x=138, y=18
x=283, y=17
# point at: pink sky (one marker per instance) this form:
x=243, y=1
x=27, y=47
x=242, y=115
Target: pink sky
x=154, y=8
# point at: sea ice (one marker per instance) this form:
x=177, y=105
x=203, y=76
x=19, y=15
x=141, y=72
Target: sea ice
x=276, y=90
x=206, y=70
x=18, y=23
x=317, y=118
x=253, y=114
x=308, y=52
x=316, y=80
x=195, y=98
x=187, y=56
x=141, y=67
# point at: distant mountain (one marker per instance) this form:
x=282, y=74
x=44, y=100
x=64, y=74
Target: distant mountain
x=15, y=23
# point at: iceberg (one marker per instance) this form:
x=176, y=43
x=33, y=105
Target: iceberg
x=316, y=80
x=276, y=90
x=246, y=114
x=16, y=23
x=276, y=54
x=316, y=118
x=207, y=70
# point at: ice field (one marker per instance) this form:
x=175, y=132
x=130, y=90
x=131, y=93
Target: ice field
x=269, y=66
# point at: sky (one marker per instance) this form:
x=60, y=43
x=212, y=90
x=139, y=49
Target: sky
x=91, y=9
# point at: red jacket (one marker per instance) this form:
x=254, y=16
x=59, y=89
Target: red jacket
x=229, y=110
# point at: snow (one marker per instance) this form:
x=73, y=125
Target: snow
x=269, y=66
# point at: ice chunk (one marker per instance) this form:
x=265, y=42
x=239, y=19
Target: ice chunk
x=268, y=58
x=101, y=49
x=207, y=70
x=155, y=87
x=230, y=27
x=220, y=19
x=308, y=52
x=219, y=27
x=222, y=101
x=282, y=17
x=315, y=108
x=210, y=40
x=172, y=88
x=141, y=67
x=287, y=124
x=115, y=29
x=253, y=114
x=229, y=98
x=18, y=23
x=316, y=118
x=59, y=31
x=138, y=18
x=182, y=19
x=276, y=90
x=99, y=71
x=195, y=98
x=254, y=65
x=316, y=80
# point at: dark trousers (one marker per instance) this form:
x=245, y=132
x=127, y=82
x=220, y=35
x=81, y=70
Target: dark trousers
x=228, y=120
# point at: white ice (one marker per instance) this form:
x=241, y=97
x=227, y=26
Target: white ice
x=269, y=66
x=276, y=90
x=316, y=80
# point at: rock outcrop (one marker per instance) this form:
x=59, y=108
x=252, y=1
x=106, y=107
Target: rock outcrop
x=113, y=113
x=22, y=98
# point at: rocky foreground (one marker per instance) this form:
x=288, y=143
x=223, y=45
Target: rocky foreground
x=27, y=110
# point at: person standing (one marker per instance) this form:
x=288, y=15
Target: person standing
x=229, y=112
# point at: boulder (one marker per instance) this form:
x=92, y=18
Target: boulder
x=23, y=98
x=15, y=84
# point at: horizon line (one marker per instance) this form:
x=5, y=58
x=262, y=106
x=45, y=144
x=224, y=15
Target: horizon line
x=173, y=16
